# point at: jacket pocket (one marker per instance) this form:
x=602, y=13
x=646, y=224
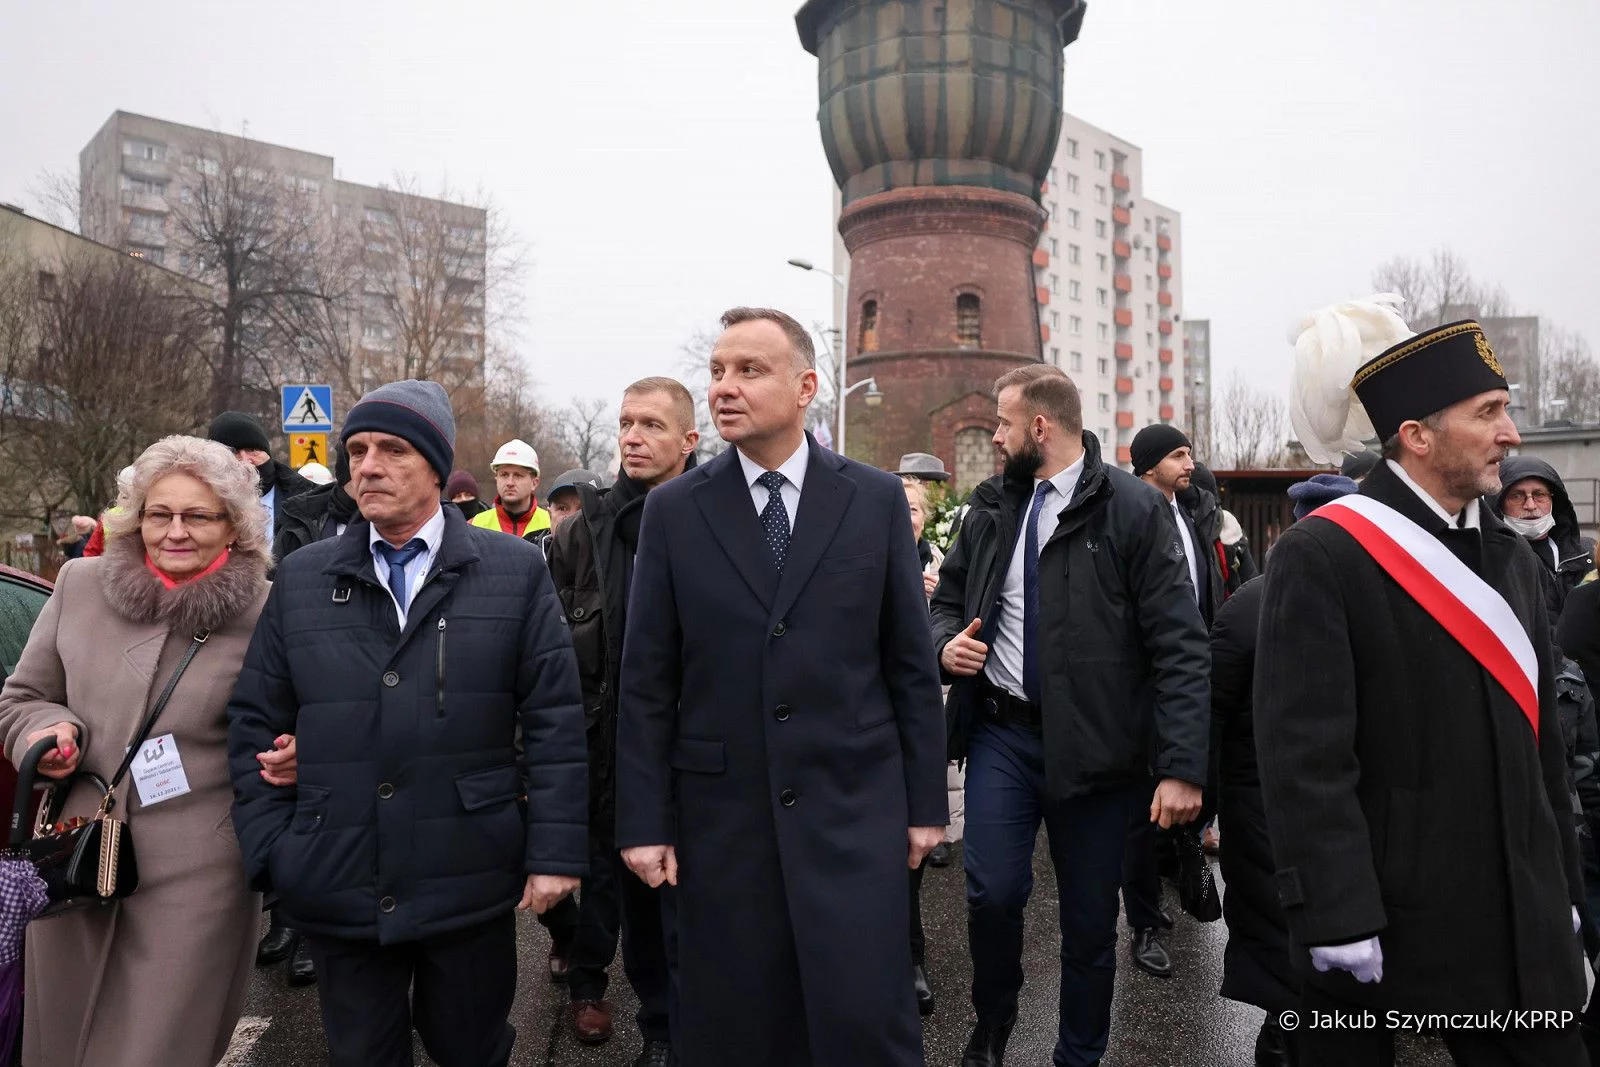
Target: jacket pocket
x=847, y=564
x=486, y=788
x=492, y=799
x=1402, y=846
x=310, y=809
x=698, y=755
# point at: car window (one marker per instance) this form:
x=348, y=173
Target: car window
x=20, y=604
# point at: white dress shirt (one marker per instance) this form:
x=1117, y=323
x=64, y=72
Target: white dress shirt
x=1004, y=665
x=793, y=470
x=432, y=534
x=1470, y=512
x=269, y=501
x=1189, y=549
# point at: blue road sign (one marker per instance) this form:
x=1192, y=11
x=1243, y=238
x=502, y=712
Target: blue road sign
x=308, y=408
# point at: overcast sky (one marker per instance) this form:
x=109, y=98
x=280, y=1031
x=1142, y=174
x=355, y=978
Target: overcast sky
x=661, y=161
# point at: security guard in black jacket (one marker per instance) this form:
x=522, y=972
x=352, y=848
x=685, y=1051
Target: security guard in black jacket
x=1065, y=621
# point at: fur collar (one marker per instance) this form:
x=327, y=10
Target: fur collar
x=208, y=603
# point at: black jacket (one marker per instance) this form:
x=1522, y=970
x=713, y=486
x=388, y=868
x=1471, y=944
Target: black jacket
x=1576, y=551
x=1230, y=556
x=1256, y=967
x=307, y=519
x=289, y=483
x=417, y=811
x=1407, y=795
x=1125, y=687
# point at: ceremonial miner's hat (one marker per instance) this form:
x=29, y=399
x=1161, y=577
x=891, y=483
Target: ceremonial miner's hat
x=1427, y=374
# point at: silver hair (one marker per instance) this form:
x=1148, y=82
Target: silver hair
x=234, y=481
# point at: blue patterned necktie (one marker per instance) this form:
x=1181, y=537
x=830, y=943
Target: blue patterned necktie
x=397, y=558
x=1030, y=598
x=775, y=517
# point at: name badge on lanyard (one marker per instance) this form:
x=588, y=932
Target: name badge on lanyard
x=158, y=771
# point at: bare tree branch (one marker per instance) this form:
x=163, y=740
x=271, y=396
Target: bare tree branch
x=1251, y=426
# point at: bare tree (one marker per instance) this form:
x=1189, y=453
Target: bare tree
x=1439, y=289
x=1250, y=426
x=99, y=360
x=694, y=369
x=1570, y=378
x=588, y=430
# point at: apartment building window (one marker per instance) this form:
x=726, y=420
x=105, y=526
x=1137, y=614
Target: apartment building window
x=867, y=332
x=1055, y=247
x=209, y=167
x=1055, y=284
x=1055, y=320
x=1099, y=161
x=1105, y=401
x=1055, y=357
x=1073, y=219
x=155, y=153
x=1099, y=227
x=1072, y=182
x=1150, y=396
x=1102, y=297
x=1099, y=194
x=1146, y=225
x=1074, y=290
x=1102, y=365
x=1104, y=331
x=1147, y=255
x=1074, y=253
x=1077, y=362
x=148, y=225
x=378, y=216
x=1147, y=284
x=1052, y=175
x=969, y=321
x=1102, y=257
x=1149, y=339
x=1149, y=311
x=1075, y=324
x=1072, y=148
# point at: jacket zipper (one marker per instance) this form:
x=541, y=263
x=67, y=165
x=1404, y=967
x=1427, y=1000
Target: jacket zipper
x=439, y=672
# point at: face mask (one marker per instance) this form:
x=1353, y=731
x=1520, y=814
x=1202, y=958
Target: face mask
x=1532, y=529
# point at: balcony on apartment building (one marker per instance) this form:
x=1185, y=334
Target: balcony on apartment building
x=1121, y=250
x=1165, y=385
x=1164, y=327
x=1125, y=386
x=1121, y=181
x=1166, y=411
x=1164, y=355
x=1164, y=298
x=1123, y=316
x=151, y=202
x=1124, y=350
x=1124, y=420
x=139, y=167
x=1164, y=243
x=1041, y=258
x=1044, y=296
x=1122, y=283
x=1121, y=216
x=1124, y=454
x=1164, y=271
x=1044, y=332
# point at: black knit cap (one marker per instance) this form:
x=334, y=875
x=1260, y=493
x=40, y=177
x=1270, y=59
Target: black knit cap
x=238, y=430
x=1155, y=443
x=1427, y=374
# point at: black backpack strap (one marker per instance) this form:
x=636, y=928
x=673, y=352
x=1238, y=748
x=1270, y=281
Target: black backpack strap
x=150, y=719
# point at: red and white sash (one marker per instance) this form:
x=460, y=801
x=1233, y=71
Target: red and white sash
x=1469, y=608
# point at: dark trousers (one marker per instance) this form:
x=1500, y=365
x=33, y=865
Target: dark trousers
x=616, y=901
x=1141, y=880
x=562, y=923
x=456, y=989
x=919, y=941
x=1006, y=802
x=1468, y=1048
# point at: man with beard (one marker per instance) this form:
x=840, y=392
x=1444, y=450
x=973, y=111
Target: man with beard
x=781, y=749
x=1411, y=751
x=1066, y=621
x=278, y=482
x=1534, y=502
x=591, y=556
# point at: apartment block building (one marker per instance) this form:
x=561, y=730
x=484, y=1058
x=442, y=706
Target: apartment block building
x=1197, y=385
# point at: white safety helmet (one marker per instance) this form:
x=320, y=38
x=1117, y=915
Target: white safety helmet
x=516, y=453
x=316, y=472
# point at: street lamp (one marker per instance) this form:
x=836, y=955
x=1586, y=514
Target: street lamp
x=872, y=397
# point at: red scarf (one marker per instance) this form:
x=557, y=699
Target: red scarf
x=173, y=583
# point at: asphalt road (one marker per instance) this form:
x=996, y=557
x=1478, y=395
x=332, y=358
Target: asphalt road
x=1176, y=1023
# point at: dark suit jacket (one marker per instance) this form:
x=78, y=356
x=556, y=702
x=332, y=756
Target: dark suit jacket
x=1406, y=795
x=783, y=732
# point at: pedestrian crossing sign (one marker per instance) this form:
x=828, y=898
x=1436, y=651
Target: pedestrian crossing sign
x=307, y=408
x=308, y=448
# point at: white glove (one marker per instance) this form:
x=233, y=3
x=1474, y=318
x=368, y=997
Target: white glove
x=1577, y=923
x=1364, y=959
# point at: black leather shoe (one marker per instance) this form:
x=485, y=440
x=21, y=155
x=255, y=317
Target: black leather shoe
x=1149, y=956
x=1274, y=1048
x=940, y=856
x=919, y=982
x=655, y=1054
x=987, y=1045
x=301, y=970
x=276, y=945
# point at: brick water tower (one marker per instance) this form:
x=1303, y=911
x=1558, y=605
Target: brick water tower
x=939, y=119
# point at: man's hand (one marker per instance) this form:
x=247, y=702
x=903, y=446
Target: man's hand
x=1175, y=802
x=930, y=582
x=924, y=839
x=964, y=654
x=280, y=766
x=654, y=864
x=62, y=760
x=543, y=891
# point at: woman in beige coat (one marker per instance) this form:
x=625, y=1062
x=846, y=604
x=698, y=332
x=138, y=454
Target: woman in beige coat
x=160, y=977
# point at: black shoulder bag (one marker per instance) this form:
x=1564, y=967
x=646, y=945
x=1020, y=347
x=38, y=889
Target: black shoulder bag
x=92, y=861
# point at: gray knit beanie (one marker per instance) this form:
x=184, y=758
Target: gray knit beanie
x=414, y=410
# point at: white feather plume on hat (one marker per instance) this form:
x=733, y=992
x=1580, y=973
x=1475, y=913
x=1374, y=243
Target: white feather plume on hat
x=1330, y=345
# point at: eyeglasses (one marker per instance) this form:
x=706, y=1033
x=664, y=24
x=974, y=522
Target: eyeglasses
x=160, y=519
x=1518, y=496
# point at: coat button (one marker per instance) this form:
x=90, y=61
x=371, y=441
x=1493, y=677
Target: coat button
x=779, y=630
x=604, y=687
x=578, y=613
x=787, y=798
x=390, y=679
x=781, y=713
x=386, y=905
x=385, y=791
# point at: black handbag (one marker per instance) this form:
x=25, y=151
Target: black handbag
x=1197, y=889
x=91, y=861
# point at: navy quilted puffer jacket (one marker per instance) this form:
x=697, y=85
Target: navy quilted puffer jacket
x=438, y=766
